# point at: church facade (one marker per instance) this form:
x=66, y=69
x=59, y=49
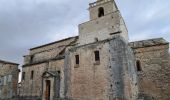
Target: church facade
x=99, y=64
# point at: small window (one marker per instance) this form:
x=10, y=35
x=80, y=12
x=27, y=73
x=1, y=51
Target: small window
x=100, y=12
x=97, y=55
x=23, y=75
x=138, y=65
x=31, y=58
x=77, y=59
x=32, y=74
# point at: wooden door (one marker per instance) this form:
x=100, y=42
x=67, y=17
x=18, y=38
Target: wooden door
x=47, y=91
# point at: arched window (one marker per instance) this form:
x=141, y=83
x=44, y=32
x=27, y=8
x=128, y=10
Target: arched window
x=100, y=12
x=138, y=65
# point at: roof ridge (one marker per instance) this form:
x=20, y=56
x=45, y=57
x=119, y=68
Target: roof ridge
x=8, y=62
x=148, y=43
x=53, y=42
x=161, y=38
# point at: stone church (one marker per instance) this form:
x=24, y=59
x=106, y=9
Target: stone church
x=99, y=64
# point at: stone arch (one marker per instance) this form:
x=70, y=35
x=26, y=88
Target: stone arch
x=100, y=12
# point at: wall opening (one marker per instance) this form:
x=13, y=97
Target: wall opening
x=138, y=65
x=23, y=75
x=31, y=59
x=97, y=55
x=100, y=12
x=77, y=59
x=32, y=74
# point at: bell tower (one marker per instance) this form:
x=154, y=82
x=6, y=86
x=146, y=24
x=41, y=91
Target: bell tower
x=101, y=66
x=105, y=22
x=101, y=8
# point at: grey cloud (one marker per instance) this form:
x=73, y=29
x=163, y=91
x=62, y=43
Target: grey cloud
x=146, y=19
x=28, y=23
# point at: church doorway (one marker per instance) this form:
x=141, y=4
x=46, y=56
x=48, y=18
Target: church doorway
x=50, y=85
x=47, y=91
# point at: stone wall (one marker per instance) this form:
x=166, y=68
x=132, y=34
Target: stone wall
x=88, y=80
x=48, y=51
x=122, y=71
x=108, y=5
x=8, y=80
x=59, y=67
x=113, y=77
x=36, y=88
x=102, y=28
x=53, y=45
x=154, y=77
x=32, y=87
x=44, y=58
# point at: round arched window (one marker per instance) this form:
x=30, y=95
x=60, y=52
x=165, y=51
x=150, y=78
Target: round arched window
x=100, y=12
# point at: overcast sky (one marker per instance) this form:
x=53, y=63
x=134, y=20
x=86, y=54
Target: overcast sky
x=29, y=23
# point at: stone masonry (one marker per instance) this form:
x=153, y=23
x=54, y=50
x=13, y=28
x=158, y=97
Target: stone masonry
x=99, y=64
x=8, y=79
x=154, y=76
